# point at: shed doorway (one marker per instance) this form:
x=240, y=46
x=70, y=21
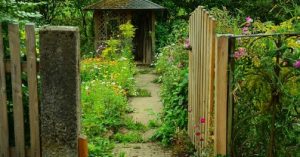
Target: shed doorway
x=141, y=20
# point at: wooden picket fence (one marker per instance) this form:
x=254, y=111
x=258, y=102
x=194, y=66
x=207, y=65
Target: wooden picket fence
x=208, y=62
x=15, y=68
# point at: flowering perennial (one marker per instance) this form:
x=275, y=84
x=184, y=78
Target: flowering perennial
x=297, y=64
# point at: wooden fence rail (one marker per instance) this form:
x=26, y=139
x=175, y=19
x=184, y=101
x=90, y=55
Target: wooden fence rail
x=207, y=84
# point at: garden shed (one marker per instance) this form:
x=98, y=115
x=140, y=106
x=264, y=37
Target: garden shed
x=109, y=14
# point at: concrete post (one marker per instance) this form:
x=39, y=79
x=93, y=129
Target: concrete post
x=60, y=88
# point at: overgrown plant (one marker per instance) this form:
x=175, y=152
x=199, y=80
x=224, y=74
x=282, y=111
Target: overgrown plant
x=172, y=65
x=106, y=83
x=266, y=114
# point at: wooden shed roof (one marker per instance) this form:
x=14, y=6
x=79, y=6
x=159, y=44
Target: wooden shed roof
x=124, y=5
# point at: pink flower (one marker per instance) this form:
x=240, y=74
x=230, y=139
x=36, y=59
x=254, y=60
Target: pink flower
x=249, y=19
x=297, y=64
x=245, y=30
x=187, y=44
x=202, y=120
x=241, y=52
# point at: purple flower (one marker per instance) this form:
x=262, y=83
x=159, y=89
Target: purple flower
x=297, y=64
x=249, y=19
x=187, y=44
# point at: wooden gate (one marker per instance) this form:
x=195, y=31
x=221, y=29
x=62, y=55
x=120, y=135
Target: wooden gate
x=15, y=67
x=208, y=61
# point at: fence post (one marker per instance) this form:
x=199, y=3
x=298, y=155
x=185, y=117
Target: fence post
x=221, y=95
x=60, y=88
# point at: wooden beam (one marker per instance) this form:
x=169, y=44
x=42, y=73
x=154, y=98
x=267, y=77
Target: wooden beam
x=221, y=96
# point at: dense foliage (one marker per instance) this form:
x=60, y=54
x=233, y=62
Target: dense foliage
x=172, y=65
x=45, y=12
x=266, y=76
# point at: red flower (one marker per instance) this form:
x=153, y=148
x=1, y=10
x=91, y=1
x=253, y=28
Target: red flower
x=202, y=120
x=198, y=134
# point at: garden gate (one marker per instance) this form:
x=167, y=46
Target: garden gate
x=211, y=79
x=48, y=126
x=208, y=61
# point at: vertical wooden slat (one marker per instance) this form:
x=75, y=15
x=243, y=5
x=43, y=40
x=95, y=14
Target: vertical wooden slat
x=221, y=95
x=4, y=134
x=201, y=67
x=212, y=73
x=198, y=69
x=206, y=63
x=32, y=87
x=196, y=64
x=14, y=44
x=194, y=74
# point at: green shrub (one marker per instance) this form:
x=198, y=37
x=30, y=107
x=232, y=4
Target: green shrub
x=172, y=65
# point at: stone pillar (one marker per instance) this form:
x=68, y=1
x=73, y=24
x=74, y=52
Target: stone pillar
x=60, y=91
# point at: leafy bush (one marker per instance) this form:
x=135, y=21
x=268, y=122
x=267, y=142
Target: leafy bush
x=173, y=32
x=172, y=65
x=266, y=113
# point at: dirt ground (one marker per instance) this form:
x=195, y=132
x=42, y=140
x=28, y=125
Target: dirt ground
x=145, y=109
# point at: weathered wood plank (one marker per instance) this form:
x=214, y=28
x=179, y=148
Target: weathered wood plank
x=221, y=95
x=14, y=44
x=33, y=92
x=4, y=134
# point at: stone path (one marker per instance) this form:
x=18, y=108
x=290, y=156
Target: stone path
x=145, y=109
